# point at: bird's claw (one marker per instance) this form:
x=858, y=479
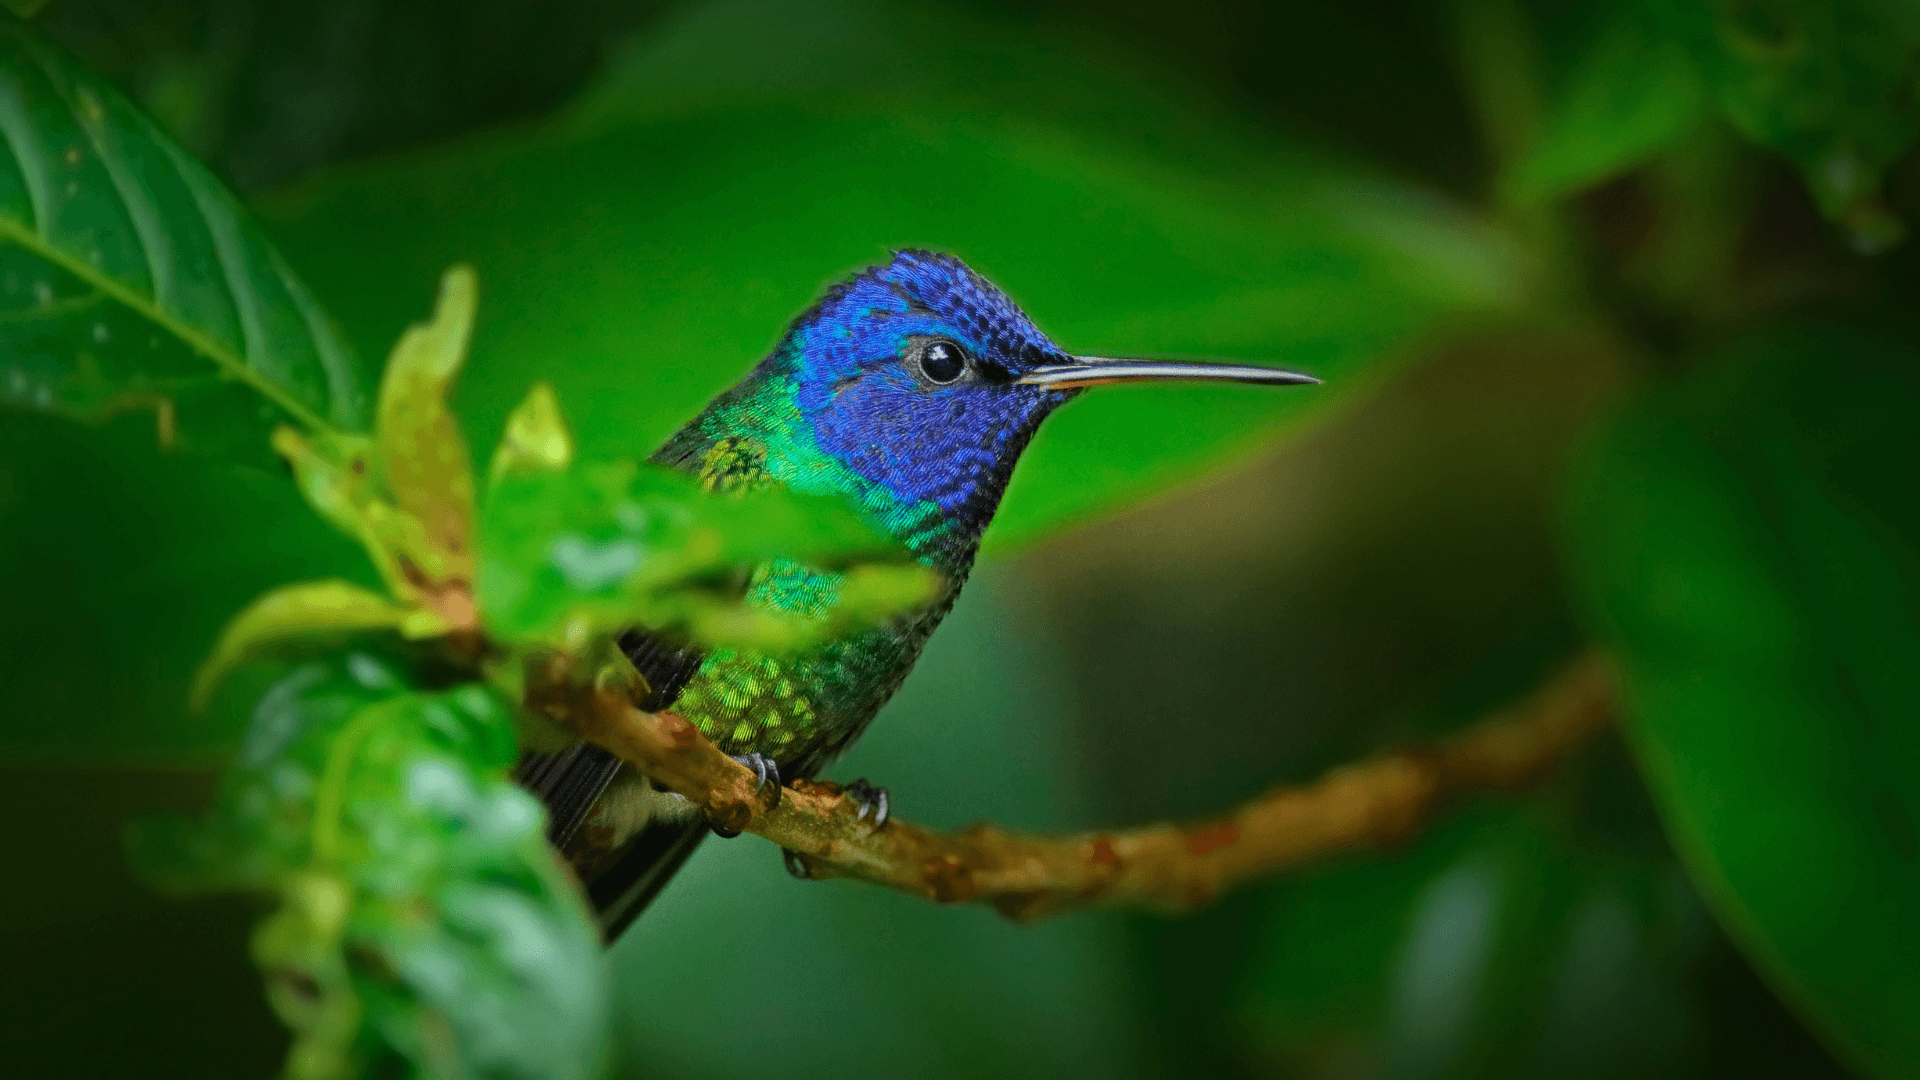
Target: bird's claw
x=796, y=865
x=766, y=772
x=869, y=800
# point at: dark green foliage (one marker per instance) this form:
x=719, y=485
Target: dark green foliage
x=421, y=912
x=1834, y=86
x=1749, y=541
x=1511, y=943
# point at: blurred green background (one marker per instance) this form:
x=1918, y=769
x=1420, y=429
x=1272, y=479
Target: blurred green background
x=1601, y=361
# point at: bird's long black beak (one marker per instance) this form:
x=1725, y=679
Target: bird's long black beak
x=1098, y=370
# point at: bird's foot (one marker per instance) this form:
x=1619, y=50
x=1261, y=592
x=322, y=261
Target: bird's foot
x=869, y=800
x=766, y=772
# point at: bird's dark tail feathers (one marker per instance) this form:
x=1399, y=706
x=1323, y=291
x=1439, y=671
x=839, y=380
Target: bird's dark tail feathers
x=570, y=782
x=625, y=889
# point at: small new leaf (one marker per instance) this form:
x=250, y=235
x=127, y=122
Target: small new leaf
x=536, y=439
x=422, y=454
x=291, y=613
x=336, y=478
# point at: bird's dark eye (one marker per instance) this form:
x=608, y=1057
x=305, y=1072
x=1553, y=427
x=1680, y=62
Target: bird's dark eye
x=942, y=361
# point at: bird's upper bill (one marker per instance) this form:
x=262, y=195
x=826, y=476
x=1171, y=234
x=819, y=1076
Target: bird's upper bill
x=1100, y=370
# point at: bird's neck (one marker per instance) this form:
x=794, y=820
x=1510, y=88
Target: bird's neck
x=756, y=433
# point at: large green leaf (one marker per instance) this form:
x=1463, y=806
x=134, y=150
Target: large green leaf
x=1750, y=547
x=1507, y=943
x=421, y=911
x=645, y=257
x=133, y=280
x=1828, y=84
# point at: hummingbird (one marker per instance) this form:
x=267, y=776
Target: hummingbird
x=909, y=390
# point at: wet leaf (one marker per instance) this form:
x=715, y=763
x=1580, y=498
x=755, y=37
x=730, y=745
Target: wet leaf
x=421, y=912
x=1749, y=547
x=133, y=280
x=292, y=613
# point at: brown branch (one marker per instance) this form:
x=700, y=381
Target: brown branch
x=1165, y=867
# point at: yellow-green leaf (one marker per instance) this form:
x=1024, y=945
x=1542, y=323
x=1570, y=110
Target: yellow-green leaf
x=422, y=451
x=332, y=474
x=335, y=475
x=536, y=439
x=287, y=614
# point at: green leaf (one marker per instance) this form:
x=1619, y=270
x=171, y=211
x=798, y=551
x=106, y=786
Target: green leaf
x=1632, y=91
x=406, y=493
x=536, y=439
x=731, y=178
x=337, y=477
x=133, y=280
x=291, y=613
x=1829, y=85
x=423, y=456
x=421, y=911
x=565, y=556
x=1749, y=545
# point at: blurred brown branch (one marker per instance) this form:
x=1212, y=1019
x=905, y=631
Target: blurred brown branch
x=1166, y=867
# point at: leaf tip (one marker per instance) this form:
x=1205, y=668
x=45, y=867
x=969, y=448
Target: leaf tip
x=536, y=438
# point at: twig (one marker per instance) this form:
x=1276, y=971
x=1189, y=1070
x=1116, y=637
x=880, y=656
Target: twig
x=1165, y=867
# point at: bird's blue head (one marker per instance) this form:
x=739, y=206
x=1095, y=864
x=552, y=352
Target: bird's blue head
x=909, y=374
x=925, y=382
